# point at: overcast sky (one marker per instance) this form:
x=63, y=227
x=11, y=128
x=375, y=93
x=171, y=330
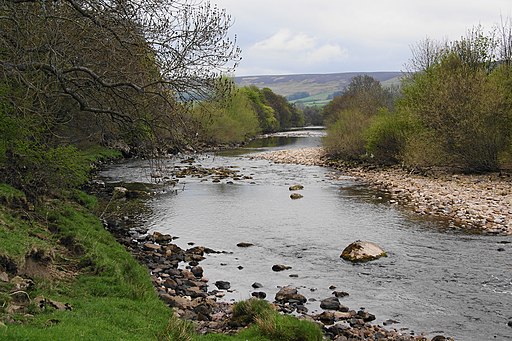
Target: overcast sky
x=330, y=36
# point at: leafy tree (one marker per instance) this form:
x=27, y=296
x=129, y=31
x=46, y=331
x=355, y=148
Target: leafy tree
x=349, y=115
x=287, y=114
x=363, y=93
x=312, y=115
x=90, y=71
x=266, y=114
x=229, y=117
x=463, y=103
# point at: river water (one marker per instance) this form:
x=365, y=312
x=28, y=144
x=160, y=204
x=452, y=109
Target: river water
x=435, y=279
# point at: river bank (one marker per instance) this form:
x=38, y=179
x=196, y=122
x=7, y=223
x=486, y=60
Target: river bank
x=476, y=202
x=179, y=278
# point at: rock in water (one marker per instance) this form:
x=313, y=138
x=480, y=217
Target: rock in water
x=259, y=294
x=295, y=196
x=244, y=244
x=362, y=251
x=289, y=295
x=280, y=267
x=296, y=187
x=331, y=303
x=223, y=285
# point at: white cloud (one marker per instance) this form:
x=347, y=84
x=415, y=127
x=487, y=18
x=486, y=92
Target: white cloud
x=339, y=36
x=295, y=50
x=327, y=53
x=284, y=40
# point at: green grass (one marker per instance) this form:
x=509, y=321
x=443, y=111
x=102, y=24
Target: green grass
x=18, y=237
x=112, y=298
x=266, y=324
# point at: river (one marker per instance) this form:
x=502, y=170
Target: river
x=434, y=280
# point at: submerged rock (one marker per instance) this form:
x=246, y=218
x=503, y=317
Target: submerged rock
x=244, y=244
x=362, y=251
x=295, y=196
x=259, y=294
x=340, y=293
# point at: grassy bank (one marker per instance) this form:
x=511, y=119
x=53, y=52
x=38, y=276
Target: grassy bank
x=67, y=256
x=63, y=276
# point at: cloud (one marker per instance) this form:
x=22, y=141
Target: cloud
x=297, y=50
x=338, y=36
x=284, y=40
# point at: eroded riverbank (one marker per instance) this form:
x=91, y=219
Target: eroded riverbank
x=478, y=202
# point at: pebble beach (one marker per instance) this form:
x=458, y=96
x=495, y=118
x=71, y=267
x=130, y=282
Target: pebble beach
x=477, y=202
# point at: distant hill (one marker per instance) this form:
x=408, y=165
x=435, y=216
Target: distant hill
x=313, y=89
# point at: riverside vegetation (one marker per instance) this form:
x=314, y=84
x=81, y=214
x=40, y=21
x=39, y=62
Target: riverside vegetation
x=453, y=111
x=137, y=78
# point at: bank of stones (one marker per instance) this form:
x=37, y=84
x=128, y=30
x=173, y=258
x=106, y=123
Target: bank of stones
x=480, y=202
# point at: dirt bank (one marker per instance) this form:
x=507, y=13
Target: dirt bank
x=481, y=202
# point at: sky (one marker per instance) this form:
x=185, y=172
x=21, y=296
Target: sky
x=330, y=36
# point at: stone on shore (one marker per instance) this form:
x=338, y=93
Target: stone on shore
x=289, y=295
x=362, y=251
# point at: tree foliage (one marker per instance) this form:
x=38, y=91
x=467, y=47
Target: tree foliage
x=454, y=111
x=463, y=102
x=348, y=116
x=363, y=93
x=100, y=71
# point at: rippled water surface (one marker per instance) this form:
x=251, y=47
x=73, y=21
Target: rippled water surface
x=434, y=280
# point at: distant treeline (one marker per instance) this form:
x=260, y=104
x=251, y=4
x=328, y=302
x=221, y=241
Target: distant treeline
x=235, y=115
x=453, y=110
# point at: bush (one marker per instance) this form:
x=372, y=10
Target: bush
x=386, y=137
x=345, y=137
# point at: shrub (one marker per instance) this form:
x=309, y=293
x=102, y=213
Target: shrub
x=246, y=312
x=345, y=137
x=386, y=136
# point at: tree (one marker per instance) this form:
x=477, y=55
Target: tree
x=462, y=107
x=425, y=54
x=348, y=116
x=74, y=72
x=364, y=93
x=124, y=63
x=287, y=114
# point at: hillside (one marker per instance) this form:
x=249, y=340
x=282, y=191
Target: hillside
x=312, y=89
